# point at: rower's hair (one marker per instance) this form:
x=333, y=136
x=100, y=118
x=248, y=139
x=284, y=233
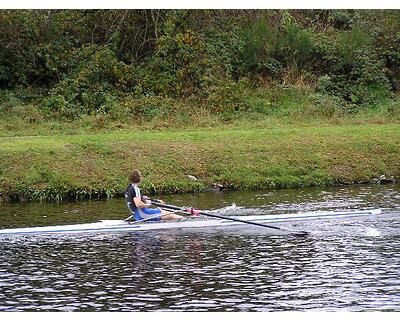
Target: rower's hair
x=135, y=176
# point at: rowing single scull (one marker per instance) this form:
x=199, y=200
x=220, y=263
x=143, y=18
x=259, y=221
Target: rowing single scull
x=125, y=226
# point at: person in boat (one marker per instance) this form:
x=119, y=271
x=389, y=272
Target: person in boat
x=139, y=205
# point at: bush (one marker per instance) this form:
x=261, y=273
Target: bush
x=342, y=19
x=270, y=66
x=177, y=67
x=324, y=84
x=258, y=105
x=54, y=103
x=8, y=100
x=148, y=107
x=294, y=47
x=94, y=79
x=228, y=96
x=89, y=61
x=257, y=40
x=328, y=105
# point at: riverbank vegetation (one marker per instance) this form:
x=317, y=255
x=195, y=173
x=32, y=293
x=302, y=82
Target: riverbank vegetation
x=240, y=98
x=96, y=165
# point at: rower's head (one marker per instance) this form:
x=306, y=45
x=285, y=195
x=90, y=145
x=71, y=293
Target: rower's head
x=135, y=176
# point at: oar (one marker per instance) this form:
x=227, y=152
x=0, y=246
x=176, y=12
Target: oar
x=295, y=232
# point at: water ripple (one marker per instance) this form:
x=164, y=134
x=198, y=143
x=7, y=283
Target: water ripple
x=343, y=266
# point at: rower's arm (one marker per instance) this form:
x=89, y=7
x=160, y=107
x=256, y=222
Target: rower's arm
x=139, y=203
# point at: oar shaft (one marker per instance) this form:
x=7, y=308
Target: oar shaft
x=229, y=218
x=218, y=216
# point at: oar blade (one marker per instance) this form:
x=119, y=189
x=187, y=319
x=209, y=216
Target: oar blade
x=300, y=233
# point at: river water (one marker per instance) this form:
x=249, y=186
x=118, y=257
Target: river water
x=349, y=265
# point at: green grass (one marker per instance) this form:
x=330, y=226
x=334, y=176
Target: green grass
x=282, y=137
x=261, y=154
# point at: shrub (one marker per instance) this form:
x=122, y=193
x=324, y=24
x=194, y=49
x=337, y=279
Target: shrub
x=8, y=100
x=148, y=107
x=177, y=66
x=324, y=84
x=87, y=89
x=257, y=104
x=257, y=44
x=54, y=103
x=328, y=105
x=270, y=66
x=294, y=47
x=342, y=19
x=88, y=61
x=228, y=96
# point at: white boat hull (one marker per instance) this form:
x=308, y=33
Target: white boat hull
x=123, y=226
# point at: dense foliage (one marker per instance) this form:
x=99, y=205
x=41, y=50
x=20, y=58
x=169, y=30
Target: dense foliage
x=121, y=62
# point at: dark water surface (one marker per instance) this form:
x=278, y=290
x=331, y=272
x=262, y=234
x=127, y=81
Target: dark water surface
x=349, y=265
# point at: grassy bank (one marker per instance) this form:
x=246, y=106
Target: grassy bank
x=236, y=156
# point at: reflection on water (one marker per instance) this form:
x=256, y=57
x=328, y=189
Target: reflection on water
x=351, y=265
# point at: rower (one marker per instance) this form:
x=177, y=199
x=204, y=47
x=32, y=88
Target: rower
x=139, y=206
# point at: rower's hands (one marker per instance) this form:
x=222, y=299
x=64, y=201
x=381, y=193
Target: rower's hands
x=156, y=200
x=148, y=201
